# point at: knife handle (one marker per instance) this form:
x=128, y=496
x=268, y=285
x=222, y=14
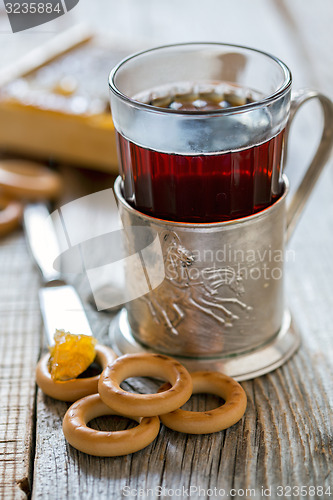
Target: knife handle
x=42, y=240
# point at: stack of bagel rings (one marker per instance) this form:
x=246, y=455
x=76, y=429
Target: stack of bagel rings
x=102, y=395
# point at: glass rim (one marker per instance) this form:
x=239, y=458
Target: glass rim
x=282, y=90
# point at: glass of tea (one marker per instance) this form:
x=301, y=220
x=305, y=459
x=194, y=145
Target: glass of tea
x=201, y=130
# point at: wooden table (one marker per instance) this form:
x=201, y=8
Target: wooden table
x=285, y=437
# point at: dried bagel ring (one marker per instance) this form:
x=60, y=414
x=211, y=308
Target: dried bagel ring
x=101, y=443
x=145, y=365
x=11, y=212
x=74, y=389
x=206, y=422
x=28, y=179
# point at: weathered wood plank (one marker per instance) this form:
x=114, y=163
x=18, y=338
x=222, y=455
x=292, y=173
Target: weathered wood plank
x=20, y=337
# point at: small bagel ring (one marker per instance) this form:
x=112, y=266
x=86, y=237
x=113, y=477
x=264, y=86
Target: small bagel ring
x=11, y=212
x=206, y=422
x=28, y=179
x=101, y=443
x=74, y=389
x=145, y=365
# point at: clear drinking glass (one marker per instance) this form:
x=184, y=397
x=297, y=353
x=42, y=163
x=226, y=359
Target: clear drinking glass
x=201, y=130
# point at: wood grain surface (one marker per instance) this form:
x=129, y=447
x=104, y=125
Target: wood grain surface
x=285, y=437
x=20, y=342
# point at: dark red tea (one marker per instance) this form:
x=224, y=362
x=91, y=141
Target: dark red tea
x=201, y=188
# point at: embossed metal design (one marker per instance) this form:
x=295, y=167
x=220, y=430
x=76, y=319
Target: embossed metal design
x=199, y=289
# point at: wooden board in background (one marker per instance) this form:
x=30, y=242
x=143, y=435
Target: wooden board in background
x=46, y=123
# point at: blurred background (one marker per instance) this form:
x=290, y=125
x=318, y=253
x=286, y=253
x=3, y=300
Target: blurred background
x=296, y=31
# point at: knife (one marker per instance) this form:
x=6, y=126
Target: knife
x=61, y=307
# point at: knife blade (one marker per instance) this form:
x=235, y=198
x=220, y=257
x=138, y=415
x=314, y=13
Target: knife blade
x=60, y=304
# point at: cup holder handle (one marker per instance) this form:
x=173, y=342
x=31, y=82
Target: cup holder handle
x=319, y=160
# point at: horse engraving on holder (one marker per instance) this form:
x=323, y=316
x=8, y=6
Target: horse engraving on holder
x=187, y=286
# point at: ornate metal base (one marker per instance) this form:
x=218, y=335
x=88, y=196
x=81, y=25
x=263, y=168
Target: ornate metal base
x=242, y=367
